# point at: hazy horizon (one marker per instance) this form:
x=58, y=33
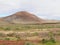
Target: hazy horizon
x=46, y=9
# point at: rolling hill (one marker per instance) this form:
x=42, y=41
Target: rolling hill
x=22, y=17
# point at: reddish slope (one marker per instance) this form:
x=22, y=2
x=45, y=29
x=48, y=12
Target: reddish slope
x=23, y=17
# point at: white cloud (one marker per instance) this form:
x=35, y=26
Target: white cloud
x=42, y=8
x=7, y=5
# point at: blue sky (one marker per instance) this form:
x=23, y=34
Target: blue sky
x=46, y=9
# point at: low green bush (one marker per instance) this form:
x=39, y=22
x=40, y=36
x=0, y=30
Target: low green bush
x=7, y=38
x=7, y=28
x=29, y=43
x=52, y=40
x=44, y=41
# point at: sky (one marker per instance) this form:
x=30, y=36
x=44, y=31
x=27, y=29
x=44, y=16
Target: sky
x=46, y=9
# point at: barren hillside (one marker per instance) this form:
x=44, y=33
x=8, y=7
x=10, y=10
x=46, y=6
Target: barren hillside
x=23, y=17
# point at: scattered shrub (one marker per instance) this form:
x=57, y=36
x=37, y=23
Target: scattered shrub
x=7, y=38
x=52, y=40
x=11, y=34
x=35, y=34
x=44, y=41
x=28, y=43
x=18, y=38
x=17, y=28
x=2, y=35
x=7, y=28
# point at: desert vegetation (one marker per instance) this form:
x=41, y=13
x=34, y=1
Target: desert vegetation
x=32, y=34
x=22, y=27
x=43, y=34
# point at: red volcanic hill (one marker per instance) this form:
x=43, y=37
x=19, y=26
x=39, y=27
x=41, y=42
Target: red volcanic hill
x=23, y=17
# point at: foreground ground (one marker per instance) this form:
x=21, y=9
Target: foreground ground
x=30, y=34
